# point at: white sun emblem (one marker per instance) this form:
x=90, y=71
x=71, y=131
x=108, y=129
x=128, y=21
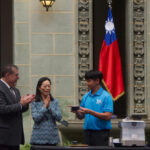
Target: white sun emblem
x=109, y=26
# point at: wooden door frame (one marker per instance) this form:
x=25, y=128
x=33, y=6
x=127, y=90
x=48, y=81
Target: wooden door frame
x=6, y=32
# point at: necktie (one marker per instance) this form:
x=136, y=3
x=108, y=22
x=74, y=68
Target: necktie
x=13, y=92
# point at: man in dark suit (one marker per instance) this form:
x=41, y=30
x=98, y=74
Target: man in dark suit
x=11, y=107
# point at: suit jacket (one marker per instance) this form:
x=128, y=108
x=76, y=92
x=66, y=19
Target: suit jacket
x=45, y=130
x=11, y=125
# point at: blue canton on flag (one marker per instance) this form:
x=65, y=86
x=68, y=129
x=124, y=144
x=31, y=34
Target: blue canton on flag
x=110, y=35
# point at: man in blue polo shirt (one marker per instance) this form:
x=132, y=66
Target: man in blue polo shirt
x=97, y=108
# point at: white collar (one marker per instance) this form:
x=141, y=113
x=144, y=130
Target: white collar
x=5, y=83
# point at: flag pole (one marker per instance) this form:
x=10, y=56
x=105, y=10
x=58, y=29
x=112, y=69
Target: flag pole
x=109, y=3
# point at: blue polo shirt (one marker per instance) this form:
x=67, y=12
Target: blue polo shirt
x=100, y=102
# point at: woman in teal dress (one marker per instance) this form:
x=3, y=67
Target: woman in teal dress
x=45, y=112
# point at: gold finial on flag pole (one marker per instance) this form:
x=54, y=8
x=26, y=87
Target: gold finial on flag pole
x=109, y=3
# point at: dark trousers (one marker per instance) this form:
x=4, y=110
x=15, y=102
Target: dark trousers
x=3, y=147
x=96, y=138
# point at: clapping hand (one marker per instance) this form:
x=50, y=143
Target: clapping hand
x=47, y=101
x=27, y=99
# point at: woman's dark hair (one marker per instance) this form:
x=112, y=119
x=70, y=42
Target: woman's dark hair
x=94, y=75
x=38, y=94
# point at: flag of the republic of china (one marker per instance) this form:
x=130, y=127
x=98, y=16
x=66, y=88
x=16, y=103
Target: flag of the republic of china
x=110, y=61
